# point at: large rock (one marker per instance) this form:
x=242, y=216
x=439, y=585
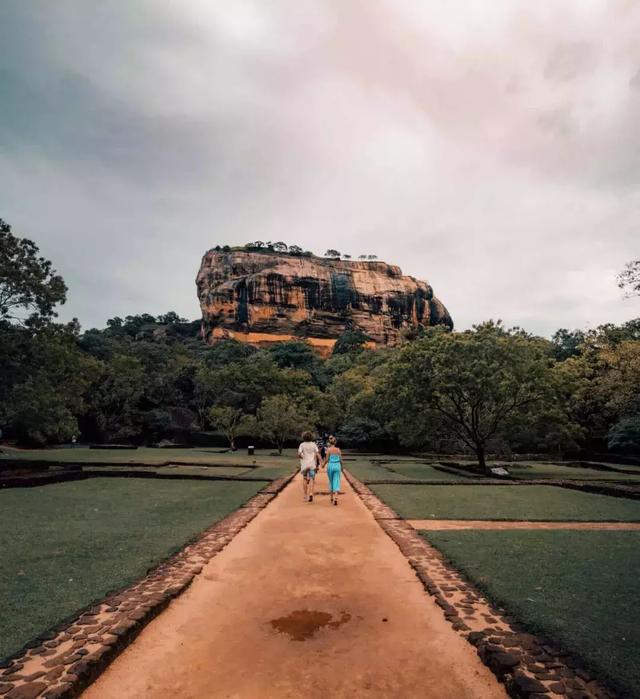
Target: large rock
x=264, y=297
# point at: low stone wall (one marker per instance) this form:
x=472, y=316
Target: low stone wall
x=63, y=662
x=528, y=666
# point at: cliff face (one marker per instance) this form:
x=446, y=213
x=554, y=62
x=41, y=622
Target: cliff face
x=261, y=297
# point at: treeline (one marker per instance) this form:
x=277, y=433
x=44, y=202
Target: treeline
x=283, y=249
x=144, y=379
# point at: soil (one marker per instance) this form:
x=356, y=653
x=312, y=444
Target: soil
x=308, y=600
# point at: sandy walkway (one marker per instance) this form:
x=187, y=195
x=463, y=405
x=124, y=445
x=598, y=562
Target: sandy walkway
x=457, y=524
x=327, y=575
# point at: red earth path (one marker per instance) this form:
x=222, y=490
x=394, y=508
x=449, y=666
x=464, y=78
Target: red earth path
x=309, y=600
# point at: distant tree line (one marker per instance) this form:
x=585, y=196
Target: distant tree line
x=143, y=379
x=284, y=249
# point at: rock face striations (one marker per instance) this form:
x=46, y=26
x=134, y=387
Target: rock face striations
x=264, y=297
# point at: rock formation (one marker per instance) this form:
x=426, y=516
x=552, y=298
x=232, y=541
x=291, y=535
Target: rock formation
x=264, y=297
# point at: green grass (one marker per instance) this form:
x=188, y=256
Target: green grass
x=424, y=472
x=364, y=470
x=526, y=502
x=175, y=470
x=146, y=455
x=540, y=470
x=67, y=545
x=577, y=587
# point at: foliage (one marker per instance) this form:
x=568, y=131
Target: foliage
x=361, y=432
x=350, y=341
x=332, y=253
x=567, y=343
x=476, y=386
x=629, y=278
x=281, y=419
x=114, y=396
x=229, y=420
x=144, y=378
x=45, y=394
x=28, y=283
x=625, y=434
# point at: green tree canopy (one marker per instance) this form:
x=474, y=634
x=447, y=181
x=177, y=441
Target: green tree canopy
x=280, y=418
x=30, y=288
x=470, y=385
x=350, y=341
x=230, y=421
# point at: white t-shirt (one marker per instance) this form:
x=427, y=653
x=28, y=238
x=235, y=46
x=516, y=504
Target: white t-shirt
x=307, y=452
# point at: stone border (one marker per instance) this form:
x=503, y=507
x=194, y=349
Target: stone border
x=530, y=667
x=62, y=663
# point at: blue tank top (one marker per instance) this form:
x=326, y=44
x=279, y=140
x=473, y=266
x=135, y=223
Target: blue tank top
x=334, y=460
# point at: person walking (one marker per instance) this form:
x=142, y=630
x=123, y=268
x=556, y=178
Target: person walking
x=334, y=468
x=309, y=456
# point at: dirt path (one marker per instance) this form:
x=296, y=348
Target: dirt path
x=308, y=600
x=457, y=524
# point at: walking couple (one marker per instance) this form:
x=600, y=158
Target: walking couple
x=311, y=460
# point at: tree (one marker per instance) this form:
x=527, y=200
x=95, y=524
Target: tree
x=28, y=283
x=297, y=354
x=332, y=253
x=362, y=257
x=472, y=385
x=347, y=257
x=295, y=250
x=350, y=341
x=229, y=420
x=280, y=418
x=372, y=257
x=629, y=278
x=114, y=398
x=361, y=432
x=625, y=434
x=171, y=318
x=280, y=246
x=43, y=396
x=567, y=343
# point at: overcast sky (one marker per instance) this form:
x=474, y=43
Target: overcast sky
x=489, y=147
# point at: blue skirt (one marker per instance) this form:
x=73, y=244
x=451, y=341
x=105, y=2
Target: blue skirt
x=334, y=472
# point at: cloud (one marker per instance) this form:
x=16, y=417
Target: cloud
x=493, y=151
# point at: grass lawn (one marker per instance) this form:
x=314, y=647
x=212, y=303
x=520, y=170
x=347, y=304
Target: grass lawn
x=176, y=470
x=424, y=472
x=66, y=545
x=526, y=502
x=541, y=470
x=577, y=587
x=365, y=470
x=263, y=457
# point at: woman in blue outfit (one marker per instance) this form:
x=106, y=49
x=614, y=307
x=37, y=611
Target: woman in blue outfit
x=334, y=469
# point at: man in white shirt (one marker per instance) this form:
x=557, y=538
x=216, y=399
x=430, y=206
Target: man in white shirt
x=309, y=457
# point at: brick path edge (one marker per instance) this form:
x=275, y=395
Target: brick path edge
x=60, y=664
x=530, y=667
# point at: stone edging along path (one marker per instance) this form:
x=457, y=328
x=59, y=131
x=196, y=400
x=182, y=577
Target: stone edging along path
x=530, y=667
x=63, y=662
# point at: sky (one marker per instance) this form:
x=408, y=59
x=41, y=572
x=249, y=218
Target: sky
x=491, y=148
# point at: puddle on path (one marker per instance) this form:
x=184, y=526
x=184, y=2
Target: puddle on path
x=302, y=624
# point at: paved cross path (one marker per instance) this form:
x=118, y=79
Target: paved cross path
x=309, y=600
